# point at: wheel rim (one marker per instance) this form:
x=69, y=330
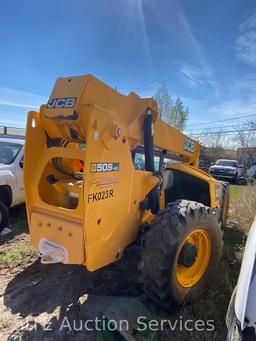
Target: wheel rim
x=188, y=276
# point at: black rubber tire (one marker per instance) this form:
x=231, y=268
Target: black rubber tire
x=4, y=216
x=241, y=181
x=225, y=204
x=162, y=244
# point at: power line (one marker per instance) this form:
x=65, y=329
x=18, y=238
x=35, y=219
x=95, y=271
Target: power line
x=228, y=119
x=221, y=128
x=209, y=129
x=222, y=132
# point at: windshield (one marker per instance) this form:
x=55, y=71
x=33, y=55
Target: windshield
x=139, y=161
x=8, y=152
x=226, y=163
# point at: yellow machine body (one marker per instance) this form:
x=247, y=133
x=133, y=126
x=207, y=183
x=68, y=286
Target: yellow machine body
x=94, y=217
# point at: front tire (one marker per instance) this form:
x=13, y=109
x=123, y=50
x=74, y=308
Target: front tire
x=241, y=181
x=4, y=216
x=168, y=276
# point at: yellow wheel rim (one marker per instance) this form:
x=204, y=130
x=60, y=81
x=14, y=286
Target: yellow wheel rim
x=188, y=276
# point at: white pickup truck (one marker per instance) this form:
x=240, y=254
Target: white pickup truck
x=11, y=178
x=241, y=315
x=229, y=170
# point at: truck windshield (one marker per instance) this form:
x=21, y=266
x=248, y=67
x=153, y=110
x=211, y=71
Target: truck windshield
x=226, y=163
x=8, y=152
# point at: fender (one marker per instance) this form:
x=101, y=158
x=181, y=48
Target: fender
x=6, y=178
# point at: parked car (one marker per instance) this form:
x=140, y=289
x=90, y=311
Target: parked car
x=11, y=177
x=228, y=169
x=241, y=315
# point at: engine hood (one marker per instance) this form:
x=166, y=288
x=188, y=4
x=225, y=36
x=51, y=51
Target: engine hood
x=226, y=168
x=4, y=167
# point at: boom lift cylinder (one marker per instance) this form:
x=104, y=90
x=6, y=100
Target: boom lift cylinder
x=148, y=128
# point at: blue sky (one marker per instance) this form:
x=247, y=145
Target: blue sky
x=205, y=51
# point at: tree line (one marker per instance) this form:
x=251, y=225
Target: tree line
x=173, y=112
x=215, y=142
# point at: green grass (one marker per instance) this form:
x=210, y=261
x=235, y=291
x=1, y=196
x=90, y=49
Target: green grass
x=235, y=190
x=20, y=248
x=20, y=252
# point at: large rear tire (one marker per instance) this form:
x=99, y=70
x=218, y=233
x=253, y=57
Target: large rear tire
x=172, y=273
x=225, y=204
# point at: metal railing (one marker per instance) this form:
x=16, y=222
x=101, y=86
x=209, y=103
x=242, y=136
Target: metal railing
x=12, y=131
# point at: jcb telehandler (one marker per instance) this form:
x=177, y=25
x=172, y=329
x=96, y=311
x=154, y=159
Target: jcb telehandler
x=103, y=171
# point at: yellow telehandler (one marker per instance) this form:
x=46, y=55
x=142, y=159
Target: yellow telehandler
x=102, y=171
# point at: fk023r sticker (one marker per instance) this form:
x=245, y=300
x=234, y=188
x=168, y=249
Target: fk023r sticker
x=97, y=196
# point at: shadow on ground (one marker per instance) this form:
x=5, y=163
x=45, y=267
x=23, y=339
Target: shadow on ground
x=110, y=293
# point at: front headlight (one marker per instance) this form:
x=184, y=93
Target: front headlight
x=218, y=192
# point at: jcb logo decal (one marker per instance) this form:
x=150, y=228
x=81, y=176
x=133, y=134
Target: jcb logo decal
x=67, y=102
x=99, y=167
x=189, y=145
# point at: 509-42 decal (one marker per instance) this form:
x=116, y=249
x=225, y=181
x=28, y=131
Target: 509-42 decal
x=100, y=167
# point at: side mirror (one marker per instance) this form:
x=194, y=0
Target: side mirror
x=22, y=164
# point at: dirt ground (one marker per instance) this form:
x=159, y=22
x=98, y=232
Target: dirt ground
x=54, y=302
